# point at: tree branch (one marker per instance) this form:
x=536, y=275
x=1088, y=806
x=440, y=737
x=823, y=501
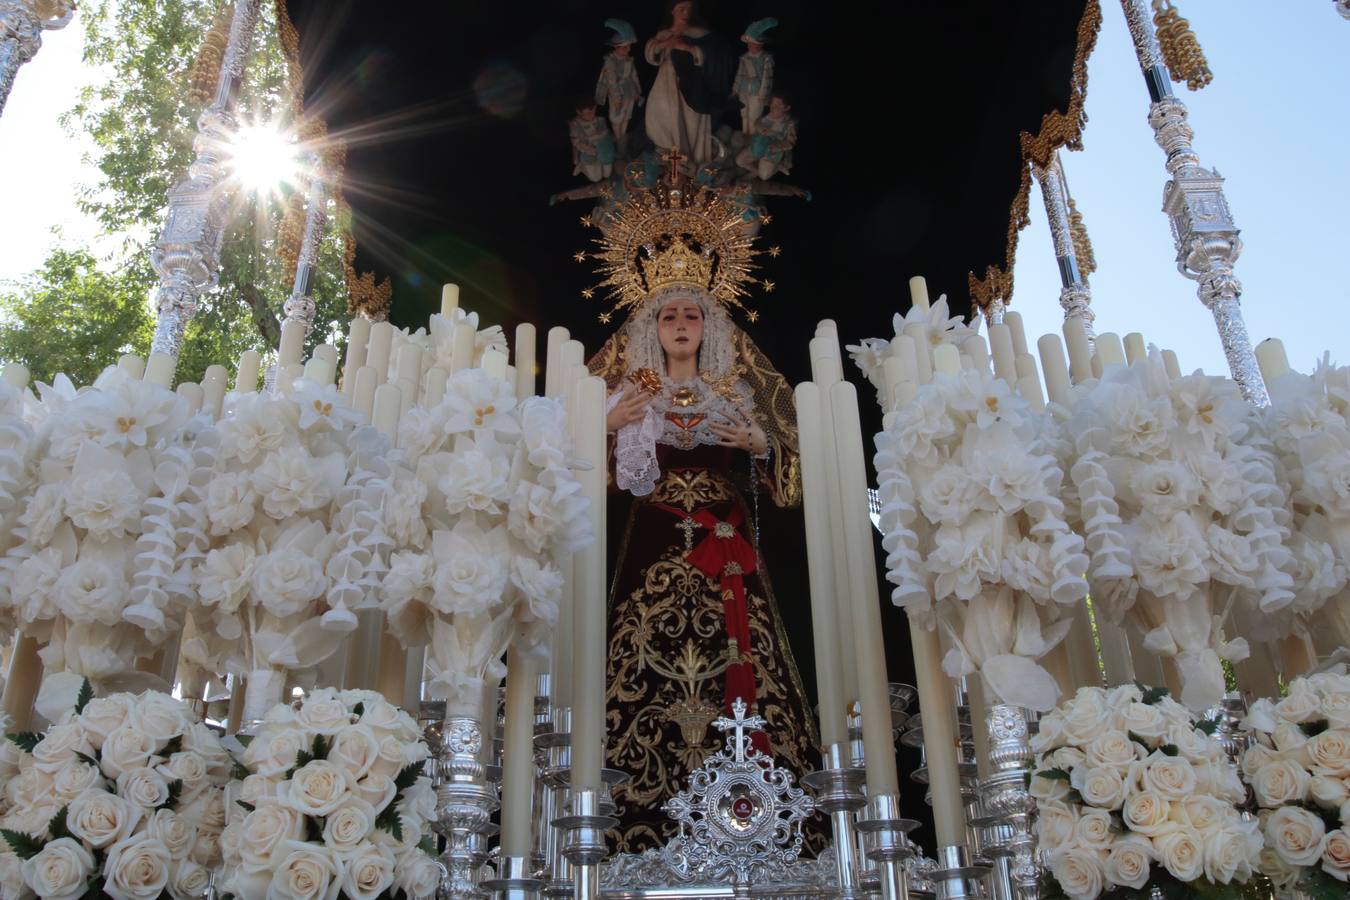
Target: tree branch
x=263, y=318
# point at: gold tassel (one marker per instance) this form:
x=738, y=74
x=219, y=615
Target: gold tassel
x=206, y=67
x=1082, y=244
x=1180, y=48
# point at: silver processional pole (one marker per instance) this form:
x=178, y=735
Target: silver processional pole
x=21, y=25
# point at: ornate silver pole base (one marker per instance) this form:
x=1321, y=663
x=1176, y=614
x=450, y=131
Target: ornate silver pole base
x=583, y=841
x=21, y=25
x=515, y=880
x=465, y=804
x=1008, y=801
x=957, y=876
x=887, y=845
x=838, y=788
x=556, y=775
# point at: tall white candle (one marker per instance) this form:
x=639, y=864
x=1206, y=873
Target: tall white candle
x=820, y=566
x=433, y=387
x=1080, y=352
x=975, y=347
x=939, y=735
x=15, y=375
x=946, y=360
x=1134, y=347
x=133, y=365
x=1110, y=350
x=378, y=350
x=363, y=397
x=159, y=369
x=1005, y=358
x=193, y=393
x=867, y=634
x=1171, y=364
x=923, y=350
x=918, y=292
x=518, y=756
x=524, y=360
x=388, y=399
x=449, y=300
x=902, y=348
x=246, y=381
x=358, y=336
x=462, y=347
x=292, y=343
x=553, y=371
x=494, y=363
x=1271, y=358
x=1015, y=328
x=213, y=389
x=1056, y=372
x=589, y=601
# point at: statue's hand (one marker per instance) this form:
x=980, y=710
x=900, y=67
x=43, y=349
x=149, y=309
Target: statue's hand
x=632, y=406
x=742, y=432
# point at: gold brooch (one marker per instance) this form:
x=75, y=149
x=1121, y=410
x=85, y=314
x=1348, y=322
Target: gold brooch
x=646, y=381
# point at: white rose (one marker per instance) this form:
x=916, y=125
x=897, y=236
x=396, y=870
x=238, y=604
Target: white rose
x=472, y=568
x=1202, y=812
x=418, y=875
x=1129, y=861
x=136, y=869
x=403, y=519
x=274, y=753
x=45, y=509
x=1336, y=855
x=1093, y=829
x=1164, y=488
x=1231, y=853
x=1181, y=853
x=287, y=581
x=291, y=481
x=188, y=880
x=390, y=761
x=1296, y=834
x=1280, y=782
x=105, y=505
x=1328, y=791
x=1172, y=777
x=59, y=746
x=355, y=748
x=1045, y=789
x=380, y=716
x=1055, y=824
x=207, y=809
x=26, y=788
x=369, y=871
x=541, y=585
x=200, y=739
x=348, y=825
x=1193, y=745
x=74, y=778
x=1146, y=812
x=1142, y=719
x=1068, y=758
x=189, y=768
x=160, y=716
x=60, y=870
x=419, y=801
x=475, y=480
x=230, y=502
x=224, y=577
x=306, y=872
x=91, y=590
x=1255, y=758
x=1300, y=705
x=1111, y=749
x=12, y=885
x=1273, y=866
x=207, y=851
x=100, y=819
x=1330, y=752
x=11, y=756
x=377, y=790
x=103, y=715
x=144, y=787
x=1101, y=787
x=176, y=833
x=317, y=788
x=127, y=747
x=323, y=712
x=1336, y=709
x=264, y=832
x=257, y=787
x=1079, y=871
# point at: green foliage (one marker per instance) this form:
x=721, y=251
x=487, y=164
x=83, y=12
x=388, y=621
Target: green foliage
x=246, y=805
x=89, y=759
x=1151, y=695
x=57, y=827
x=320, y=747
x=86, y=694
x=26, y=740
x=238, y=772
x=408, y=776
x=25, y=846
x=172, y=746
x=390, y=821
x=359, y=710
x=428, y=845
x=1053, y=774
x=175, y=791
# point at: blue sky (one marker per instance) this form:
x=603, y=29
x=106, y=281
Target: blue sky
x=1274, y=123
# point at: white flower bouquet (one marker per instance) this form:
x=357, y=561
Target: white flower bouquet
x=975, y=533
x=333, y=802
x=96, y=572
x=1182, y=513
x=940, y=327
x=16, y=477
x=1298, y=766
x=123, y=795
x=1132, y=795
x=293, y=548
x=479, y=505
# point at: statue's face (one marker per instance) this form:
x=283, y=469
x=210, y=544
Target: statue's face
x=680, y=326
x=681, y=12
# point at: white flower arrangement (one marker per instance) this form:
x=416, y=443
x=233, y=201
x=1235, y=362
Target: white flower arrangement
x=1298, y=766
x=16, y=476
x=480, y=504
x=1131, y=794
x=975, y=533
x=123, y=795
x=941, y=328
x=96, y=569
x=437, y=342
x=332, y=801
x=294, y=546
x=1182, y=514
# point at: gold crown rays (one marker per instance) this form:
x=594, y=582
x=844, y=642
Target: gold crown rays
x=676, y=233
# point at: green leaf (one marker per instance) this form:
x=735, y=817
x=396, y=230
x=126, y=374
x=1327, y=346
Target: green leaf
x=244, y=739
x=1170, y=750
x=86, y=694
x=175, y=745
x=390, y=821
x=25, y=846
x=239, y=772
x=1140, y=740
x=359, y=710
x=1208, y=726
x=1313, y=729
x=427, y=845
x=1153, y=695
x=320, y=747
x=175, y=791
x=408, y=776
x=57, y=826
x=85, y=757
x=246, y=805
x=26, y=740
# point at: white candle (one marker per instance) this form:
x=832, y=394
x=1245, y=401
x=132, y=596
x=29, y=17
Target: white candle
x=15, y=375
x=1019, y=335
x=902, y=349
x=1271, y=359
x=292, y=343
x=868, y=646
x=918, y=292
x=378, y=350
x=433, y=387
x=820, y=565
x=494, y=363
x=246, y=381
x=946, y=360
x=588, y=616
x=557, y=336
x=1080, y=352
x=407, y=390
x=826, y=366
x=314, y=370
x=193, y=393
x=388, y=399
x=923, y=350
x=1170, y=364
x=1029, y=386
x=1097, y=367
x=358, y=336
x=133, y=365
x=524, y=360
x=1054, y=367
x=975, y=348
x=518, y=756
x=363, y=397
x=1109, y=350
x=1005, y=357
x=462, y=346
x=159, y=369
x=829, y=329
x=410, y=363
x=449, y=300
x=1134, y=347
x=22, y=681
x=573, y=354
x=939, y=735
x=213, y=389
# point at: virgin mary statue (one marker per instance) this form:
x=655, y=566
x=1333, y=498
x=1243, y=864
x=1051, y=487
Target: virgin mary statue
x=699, y=420
x=694, y=72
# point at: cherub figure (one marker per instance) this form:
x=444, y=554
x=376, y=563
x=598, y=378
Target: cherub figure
x=593, y=148
x=769, y=152
x=618, y=87
x=754, y=76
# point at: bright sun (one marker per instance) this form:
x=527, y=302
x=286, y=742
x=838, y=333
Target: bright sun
x=263, y=158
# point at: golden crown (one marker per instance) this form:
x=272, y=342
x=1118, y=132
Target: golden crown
x=674, y=233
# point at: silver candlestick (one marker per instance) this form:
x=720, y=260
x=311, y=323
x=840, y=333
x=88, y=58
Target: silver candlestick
x=516, y=880
x=555, y=776
x=1007, y=799
x=21, y=25
x=957, y=876
x=838, y=788
x=465, y=804
x=583, y=841
x=888, y=845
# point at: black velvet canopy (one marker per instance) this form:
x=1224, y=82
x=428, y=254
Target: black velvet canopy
x=916, y=118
